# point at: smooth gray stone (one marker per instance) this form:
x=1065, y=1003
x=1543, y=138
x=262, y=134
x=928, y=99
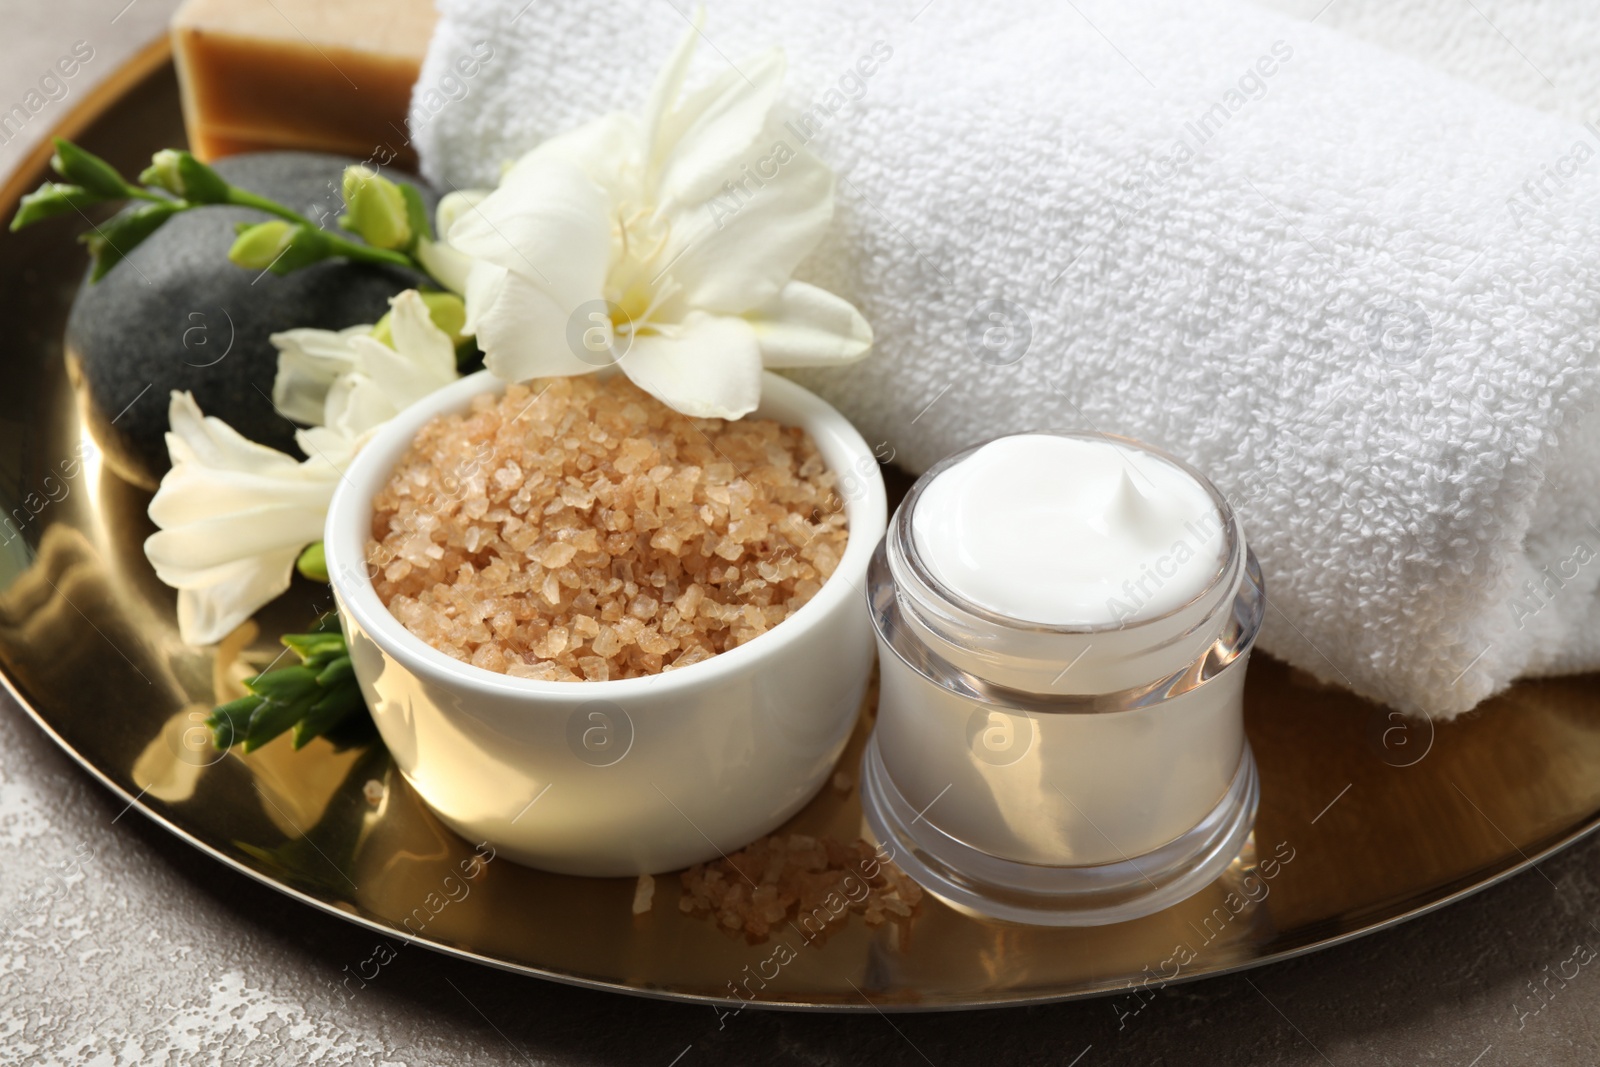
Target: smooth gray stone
x=177, y=315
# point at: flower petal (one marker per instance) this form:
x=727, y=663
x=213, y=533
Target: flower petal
x=548, y=221
x=419, y=339
x=227, y=596
x=308, y=362
x=233, y=516
x=453, y=205
x=522, y=329
x=380, y=380
x=388, y=384
x=448, y=266
x=198, y=493
x=700, y=146
x=421, y=360
x=734, y=253
x=707, y=366
x=224, y=538
x=609, y=149
x=804, y=326
x=669, y=80
x=485, y=284
x=210, y=442
x=356, y=403
x=333, y=445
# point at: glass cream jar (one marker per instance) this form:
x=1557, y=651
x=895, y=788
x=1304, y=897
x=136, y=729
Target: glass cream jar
x=1063, y=773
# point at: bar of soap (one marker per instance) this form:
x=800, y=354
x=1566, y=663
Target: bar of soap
x=259, y=75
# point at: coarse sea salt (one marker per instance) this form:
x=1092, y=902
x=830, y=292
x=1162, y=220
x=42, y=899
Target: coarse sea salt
x=579, y=529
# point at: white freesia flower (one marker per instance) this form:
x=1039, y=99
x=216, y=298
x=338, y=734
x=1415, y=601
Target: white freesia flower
x=345, y=384
x=666, y=242
x=450, y=266
x=235, y=515
x=309, y=362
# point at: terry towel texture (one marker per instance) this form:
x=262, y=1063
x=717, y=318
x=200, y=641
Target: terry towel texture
x=1543, y=53
x=1277, y=251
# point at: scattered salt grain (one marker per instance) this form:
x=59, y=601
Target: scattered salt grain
x=644, y=894
x=810, y=881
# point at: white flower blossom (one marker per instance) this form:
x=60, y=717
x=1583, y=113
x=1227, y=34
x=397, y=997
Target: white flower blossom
x=345, y=384
x=666, y=243
x=234, y=514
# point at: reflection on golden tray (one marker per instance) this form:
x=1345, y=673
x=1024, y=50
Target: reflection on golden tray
x=1366, y=819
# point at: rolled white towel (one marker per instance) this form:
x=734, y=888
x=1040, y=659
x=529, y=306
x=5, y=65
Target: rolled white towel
x=1281, y=253
x=1543, y=53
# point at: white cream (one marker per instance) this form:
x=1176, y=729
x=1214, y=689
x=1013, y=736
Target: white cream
x=1069, y=531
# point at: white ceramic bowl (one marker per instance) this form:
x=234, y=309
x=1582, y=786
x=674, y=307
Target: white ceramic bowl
x=623, y=777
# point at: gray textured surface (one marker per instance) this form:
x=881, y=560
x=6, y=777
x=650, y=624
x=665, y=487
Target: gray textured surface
x=119, y=944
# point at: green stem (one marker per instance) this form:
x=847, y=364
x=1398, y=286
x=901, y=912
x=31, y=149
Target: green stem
x=368, y=254
x=346, y=248
x=241, y=198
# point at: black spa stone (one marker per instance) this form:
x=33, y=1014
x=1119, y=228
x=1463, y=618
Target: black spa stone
x=177, y=315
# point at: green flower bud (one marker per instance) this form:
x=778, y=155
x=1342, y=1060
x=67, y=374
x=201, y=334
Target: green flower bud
x=278, y=246
x=416, y=212
x=257, y=247
x=162, y=173
x=182, y=175
x=375, y=209
x=88, y=170
x=312, y=563
x=52, y=199
x=447, y=311
x=110, y=243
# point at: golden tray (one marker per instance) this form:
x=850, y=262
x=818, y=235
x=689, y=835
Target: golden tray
x=1366, y=819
